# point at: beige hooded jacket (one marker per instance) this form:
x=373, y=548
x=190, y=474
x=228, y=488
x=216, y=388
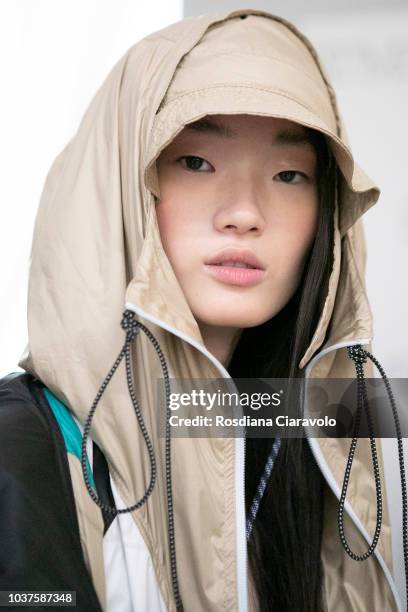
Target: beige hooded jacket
x=97, y=251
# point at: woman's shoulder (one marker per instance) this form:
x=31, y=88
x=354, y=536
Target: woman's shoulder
x=32, y=451
x=23, y=412
x=15, y=388
x=39, y=533
x=29, y=443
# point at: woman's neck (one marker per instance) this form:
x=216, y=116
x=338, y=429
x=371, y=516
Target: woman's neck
x=220, y=341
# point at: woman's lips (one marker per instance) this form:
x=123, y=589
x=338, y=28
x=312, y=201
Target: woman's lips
x=244, y=277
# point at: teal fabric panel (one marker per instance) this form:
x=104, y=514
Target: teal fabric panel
x=69, y=429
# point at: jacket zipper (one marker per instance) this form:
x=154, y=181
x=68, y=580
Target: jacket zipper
x=241, y=544
x=240, y=537
x=324, y=468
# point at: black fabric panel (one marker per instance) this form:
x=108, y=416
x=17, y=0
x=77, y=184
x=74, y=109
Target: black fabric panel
x=100, y=472
x=40, y=546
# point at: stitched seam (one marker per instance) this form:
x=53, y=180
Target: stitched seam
x=242, y=85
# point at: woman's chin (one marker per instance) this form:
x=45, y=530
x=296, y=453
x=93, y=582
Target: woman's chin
x=233, y=319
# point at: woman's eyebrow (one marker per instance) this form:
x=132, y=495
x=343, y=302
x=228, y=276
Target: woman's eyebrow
x=284, y=137
x=290, y=137
x=208, y=126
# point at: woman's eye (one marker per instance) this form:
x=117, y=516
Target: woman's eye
x=290, y=176
x=192, y=162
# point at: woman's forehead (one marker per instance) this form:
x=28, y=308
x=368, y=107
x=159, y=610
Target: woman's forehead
x=230, y=128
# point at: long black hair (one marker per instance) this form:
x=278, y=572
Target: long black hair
x=285, y=543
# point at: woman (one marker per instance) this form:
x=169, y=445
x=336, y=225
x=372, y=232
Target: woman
x=213, y=141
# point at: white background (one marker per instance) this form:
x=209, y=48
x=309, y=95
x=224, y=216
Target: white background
x=54, y=55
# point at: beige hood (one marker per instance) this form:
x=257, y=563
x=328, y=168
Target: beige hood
x=97, y=248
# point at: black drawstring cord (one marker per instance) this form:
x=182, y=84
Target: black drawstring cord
x=359, y=356
x=132, y=328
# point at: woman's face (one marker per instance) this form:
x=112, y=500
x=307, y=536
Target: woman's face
x=237, y=188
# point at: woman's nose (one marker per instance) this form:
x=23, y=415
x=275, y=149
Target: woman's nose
x=240, y=212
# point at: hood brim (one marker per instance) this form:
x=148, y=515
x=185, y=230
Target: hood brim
x=359, y=191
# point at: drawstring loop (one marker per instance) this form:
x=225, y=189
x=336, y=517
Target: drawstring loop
x=132, y=328
x=360, y=356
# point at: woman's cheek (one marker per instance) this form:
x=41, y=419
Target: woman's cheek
x=169, y=222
